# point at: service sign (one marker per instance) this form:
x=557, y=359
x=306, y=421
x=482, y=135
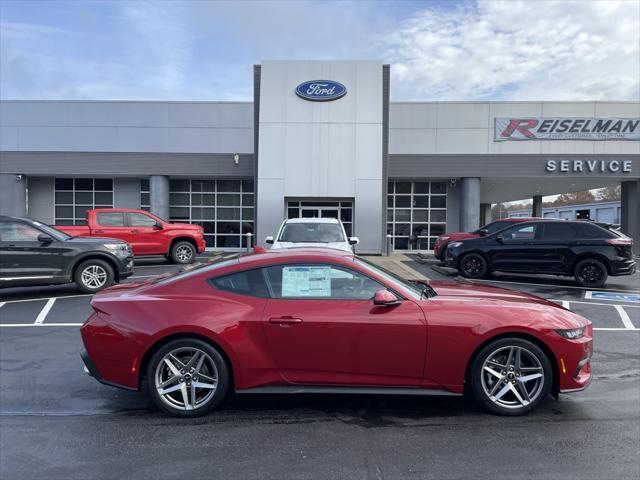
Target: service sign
x=566, y=128
x=321, y=90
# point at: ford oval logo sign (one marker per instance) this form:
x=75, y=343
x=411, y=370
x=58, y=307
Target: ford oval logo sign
x=321, y=90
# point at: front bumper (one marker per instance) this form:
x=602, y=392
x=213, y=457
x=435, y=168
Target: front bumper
x=201, y=245
x=126, y=267
x=574, y=363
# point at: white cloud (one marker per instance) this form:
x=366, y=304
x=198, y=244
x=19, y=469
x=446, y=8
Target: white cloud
x=580, y=50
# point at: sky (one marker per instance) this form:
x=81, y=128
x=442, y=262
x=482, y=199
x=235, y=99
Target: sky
x=204, y=50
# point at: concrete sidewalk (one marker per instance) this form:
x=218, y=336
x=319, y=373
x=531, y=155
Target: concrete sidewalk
x=398, y=264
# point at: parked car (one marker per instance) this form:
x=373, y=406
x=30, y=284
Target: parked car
x=319, y=320
x=33, y=253
x=444, y=240
x=146, y=233
x=584, y=250
x=312, y=232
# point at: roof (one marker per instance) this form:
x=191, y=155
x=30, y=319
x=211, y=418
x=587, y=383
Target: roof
x=297, y=253
x=312, y=220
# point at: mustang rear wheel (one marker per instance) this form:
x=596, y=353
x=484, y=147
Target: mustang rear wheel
x=511, y=376
x=473, y=265
x=187, y=378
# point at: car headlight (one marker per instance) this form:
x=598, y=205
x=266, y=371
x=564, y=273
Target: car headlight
x=571, y=333
x=119, y=248
x=455, y=244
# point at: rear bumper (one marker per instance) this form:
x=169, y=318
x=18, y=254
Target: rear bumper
x=626, y=267
x=91, y=370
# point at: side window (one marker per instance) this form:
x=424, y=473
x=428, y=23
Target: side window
x=591, y=231
x=250, y=282
x=558, y=231
x=111, y=219
x=525, y=232
x=141, y=220
x=18, y=232
x=320, y=281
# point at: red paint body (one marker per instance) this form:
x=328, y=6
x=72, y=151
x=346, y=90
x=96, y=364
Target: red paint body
x=144, y=240
x=418, y=343
x=441, y=242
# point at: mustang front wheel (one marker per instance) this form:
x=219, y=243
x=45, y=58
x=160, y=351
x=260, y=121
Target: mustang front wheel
x=187, y=378
x=511, y=376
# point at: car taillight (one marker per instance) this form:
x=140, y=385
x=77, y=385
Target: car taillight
x=620, y=242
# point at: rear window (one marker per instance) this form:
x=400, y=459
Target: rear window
x=311, y=233
x=249, y=282
x=570, y=231
x=193, y=269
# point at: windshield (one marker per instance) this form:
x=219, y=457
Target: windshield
x=52, y=232
x=414, y=289
x=311, y=233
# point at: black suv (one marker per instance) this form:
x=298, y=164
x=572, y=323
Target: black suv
x=32, y=253
x=581, y=249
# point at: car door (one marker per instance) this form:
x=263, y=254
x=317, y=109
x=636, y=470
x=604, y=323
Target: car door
x=146, y=238
x=24, y=259
x=322, y=327
x=514, y=249
x=554, y=246
x=111, y=225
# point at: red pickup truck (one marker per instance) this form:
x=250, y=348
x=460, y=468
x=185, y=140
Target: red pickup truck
x=146, y=233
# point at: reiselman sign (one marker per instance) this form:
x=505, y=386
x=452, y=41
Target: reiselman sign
x=566, y=128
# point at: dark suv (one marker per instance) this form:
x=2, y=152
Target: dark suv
x=32, y=253
x=581, y=249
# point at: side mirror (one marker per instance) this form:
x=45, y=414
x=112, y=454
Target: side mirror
x=483, y=233
x=500, y=238
x=354, y=240
x=269, y=240
x=158, y=225
x=386, y=298
x=46, y=239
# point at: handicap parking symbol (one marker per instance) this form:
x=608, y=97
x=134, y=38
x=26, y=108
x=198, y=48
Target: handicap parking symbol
x=613, y=296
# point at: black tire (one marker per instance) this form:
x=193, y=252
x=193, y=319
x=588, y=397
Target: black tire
x=93, y=275
x=213, y=367
x=590, y=272
x=484, y=383
x=183, y=252
x=473, y=265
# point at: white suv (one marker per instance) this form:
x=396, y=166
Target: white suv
x=312, y=232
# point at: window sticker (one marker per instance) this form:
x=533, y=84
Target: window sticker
x=306, y=281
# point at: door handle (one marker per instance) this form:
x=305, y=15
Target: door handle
x=286, y=320
x=99, y=231
x=135, y=231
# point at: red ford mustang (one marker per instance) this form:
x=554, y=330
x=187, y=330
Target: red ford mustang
x=320, y=320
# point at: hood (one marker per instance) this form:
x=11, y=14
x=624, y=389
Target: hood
x=460, y=235
x=471, y=290
x=337, y=245
x=94, y=240
x=182, y=226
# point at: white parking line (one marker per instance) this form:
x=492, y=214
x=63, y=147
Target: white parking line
x=566, y=304
x=40, y=325
x=591, y=303
x=459, y=277
x=44, y=312
x=2, y=304
x=617, y=329
x=45, y=298
x=624, y=316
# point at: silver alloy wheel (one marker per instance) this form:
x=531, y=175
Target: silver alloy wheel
x=94, y=276
x=184, y=253
x=186, y=378
x=512, y=377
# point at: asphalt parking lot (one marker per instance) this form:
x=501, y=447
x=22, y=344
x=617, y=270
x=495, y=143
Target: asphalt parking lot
x=56, y=422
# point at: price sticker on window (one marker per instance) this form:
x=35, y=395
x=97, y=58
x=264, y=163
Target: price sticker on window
x=306, y=281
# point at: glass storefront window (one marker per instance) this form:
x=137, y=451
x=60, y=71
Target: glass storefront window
x=74, y=196
x=416, y=213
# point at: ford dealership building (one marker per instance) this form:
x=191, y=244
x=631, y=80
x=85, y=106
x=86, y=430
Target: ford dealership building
x=320, y=138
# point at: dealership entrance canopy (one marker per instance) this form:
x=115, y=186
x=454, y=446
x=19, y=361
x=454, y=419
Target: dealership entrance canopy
x=321, y=138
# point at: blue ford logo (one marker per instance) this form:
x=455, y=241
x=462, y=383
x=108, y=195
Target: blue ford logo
x=321, y=90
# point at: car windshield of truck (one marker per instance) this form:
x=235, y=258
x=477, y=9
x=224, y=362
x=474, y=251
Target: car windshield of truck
x=311, y=233
x=52, y=232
